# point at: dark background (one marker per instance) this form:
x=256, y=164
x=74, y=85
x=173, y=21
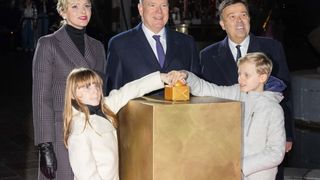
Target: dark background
x=293, y=21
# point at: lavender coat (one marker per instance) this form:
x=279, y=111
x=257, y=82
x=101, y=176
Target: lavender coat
x=55, y=56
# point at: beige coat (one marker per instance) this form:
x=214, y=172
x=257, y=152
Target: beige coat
x=93, y=151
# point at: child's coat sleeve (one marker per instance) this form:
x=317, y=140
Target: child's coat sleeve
x=119, y=98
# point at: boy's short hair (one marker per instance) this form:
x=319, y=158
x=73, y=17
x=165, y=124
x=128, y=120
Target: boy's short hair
x=263, y=62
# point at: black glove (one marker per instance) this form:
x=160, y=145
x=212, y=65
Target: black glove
x=48, y=160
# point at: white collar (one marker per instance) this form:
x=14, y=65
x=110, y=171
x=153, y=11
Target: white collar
x=244, y=44
x=149, y=33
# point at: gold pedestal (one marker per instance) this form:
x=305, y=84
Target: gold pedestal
x=198, y=139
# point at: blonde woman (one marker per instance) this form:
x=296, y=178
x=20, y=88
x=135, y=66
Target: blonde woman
x=55, y=57
x=90, y=121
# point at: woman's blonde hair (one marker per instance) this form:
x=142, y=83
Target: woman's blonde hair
x=62, y=6
x=79, y=78
x=262, y=62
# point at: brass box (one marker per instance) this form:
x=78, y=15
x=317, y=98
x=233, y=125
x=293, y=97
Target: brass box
x=198, y=139
x=177, y=93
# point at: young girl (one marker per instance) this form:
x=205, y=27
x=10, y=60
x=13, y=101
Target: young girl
x=90, y=121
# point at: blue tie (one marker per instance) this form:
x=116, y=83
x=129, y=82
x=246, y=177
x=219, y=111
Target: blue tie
x=160, y=50
x=238, y=52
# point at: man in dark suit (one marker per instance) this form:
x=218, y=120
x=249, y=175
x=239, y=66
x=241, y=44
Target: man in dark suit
x=218, y=61
x=136, y=52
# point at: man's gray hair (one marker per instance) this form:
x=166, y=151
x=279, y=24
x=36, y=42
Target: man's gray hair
x=227, y=3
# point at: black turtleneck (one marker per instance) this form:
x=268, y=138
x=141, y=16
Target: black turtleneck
x=92, y=109
x=96, y=110
x=77, y=36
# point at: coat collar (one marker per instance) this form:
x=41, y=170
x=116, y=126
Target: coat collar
x=71, y=51
x=172, y=42
x=254, y=45
x=226, y=62
x=142, y=43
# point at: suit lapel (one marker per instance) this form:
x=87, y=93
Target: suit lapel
x=254, y=45
x=70, y=49
x=226, y=62
x=141, y=43
x=89, y=57
x=171, y=44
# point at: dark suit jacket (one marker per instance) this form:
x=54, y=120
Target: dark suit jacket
x=130, y=56
x=55, y=56
x=219, y=67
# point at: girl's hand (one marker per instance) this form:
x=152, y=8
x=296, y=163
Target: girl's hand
x=165, y=78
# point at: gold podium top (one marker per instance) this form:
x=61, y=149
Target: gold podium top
x=154, y=100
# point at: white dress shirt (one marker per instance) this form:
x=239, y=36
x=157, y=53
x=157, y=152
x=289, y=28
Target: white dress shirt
x=243, y=47
x=163, y=39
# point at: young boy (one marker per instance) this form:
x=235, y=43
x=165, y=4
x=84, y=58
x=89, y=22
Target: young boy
x=263, y=131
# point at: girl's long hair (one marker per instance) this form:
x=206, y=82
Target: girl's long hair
x=79, y=78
